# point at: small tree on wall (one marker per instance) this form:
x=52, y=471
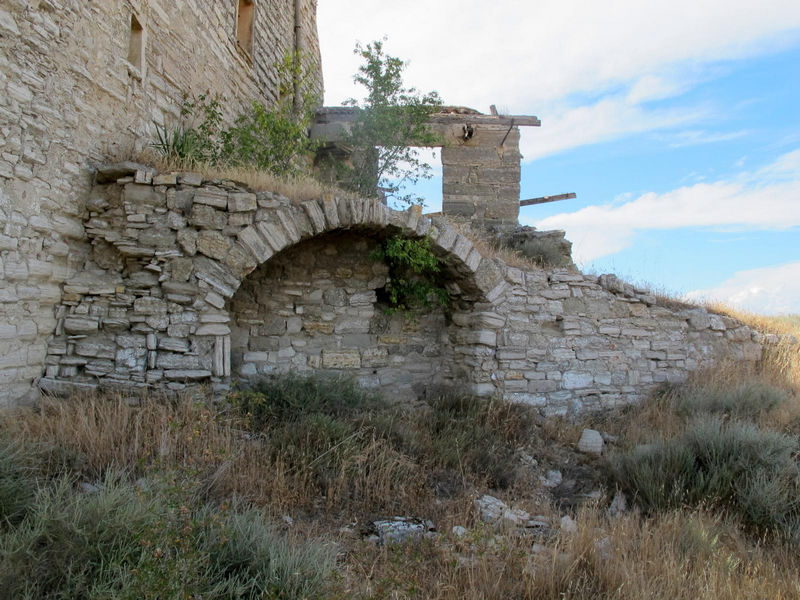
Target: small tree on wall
x=392, y=121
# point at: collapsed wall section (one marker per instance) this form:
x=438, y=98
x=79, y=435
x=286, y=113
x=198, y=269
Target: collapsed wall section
x=85, y=82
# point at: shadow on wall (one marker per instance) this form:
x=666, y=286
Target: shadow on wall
x=316, y=306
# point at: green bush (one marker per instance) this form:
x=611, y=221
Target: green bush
x=732, y=465
x=744, y=401
x=414, y=275
x=195, y=139
x=291, y=397
x=122, y=543
x=392, y=122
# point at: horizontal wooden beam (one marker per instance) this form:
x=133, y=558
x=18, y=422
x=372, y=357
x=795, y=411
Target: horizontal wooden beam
x=546, y=199
x=507, y=120
x=346, y=114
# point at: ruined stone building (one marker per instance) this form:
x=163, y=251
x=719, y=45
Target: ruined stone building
x=82, y=83
x=124, y=278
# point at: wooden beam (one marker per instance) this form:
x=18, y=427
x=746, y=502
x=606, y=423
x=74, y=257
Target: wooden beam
x=346, y=114
x=508, y=120
x=546, y=199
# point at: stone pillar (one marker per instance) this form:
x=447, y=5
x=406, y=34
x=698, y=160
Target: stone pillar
x=481, y=174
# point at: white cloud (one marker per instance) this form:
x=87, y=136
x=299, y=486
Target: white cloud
x=531, y=57
x=604, y=120
x=768, y=290
x=767, y=199
x=525, y=54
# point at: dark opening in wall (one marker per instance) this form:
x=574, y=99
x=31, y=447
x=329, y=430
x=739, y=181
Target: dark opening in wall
x=244, y=25
x=136, y=44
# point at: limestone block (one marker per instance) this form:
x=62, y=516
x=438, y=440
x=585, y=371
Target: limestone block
x=187, y=374
x=253, y=241
x=96, y=348
x=80, y=325
x=187, y=238
x=149, y=305
x=341, y=359
x=211, y=198
x=242, y=201
x=213, y=244
x=172, y=344
x=699, y=319
x=207, y=217
x=591, y=442
x=374, y=357
x=322, y=327
x=315, y=215
x=192, y=179
x=165, y=179
x=287, y=222
x=577, y=379
x=213, y=329
x=274, y=235
x=143, y=195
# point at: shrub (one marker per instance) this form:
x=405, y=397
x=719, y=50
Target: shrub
x=392, y=120
x=290, y=397
x=414, y=275
x=733, y=465
x=123, y=543
x=748, y=400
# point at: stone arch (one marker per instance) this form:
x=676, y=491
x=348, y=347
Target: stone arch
x=159, y=314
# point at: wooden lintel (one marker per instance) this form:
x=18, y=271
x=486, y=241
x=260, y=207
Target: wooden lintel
x=346, y=114
x=473, y=119
x=546, y=199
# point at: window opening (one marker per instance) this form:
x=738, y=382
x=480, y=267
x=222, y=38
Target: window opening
x=244, y=25
x=136, y=44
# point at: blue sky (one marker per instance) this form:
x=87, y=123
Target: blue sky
x=677, y=125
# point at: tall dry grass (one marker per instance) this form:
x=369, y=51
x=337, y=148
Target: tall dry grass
x=681, y=555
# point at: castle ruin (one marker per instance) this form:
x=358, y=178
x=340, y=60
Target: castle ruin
x=124, y=278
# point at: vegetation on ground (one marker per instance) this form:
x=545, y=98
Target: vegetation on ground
x=103, y=498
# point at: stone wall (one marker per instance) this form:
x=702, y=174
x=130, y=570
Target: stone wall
x=201, y=282
x=70, y=98
x=316, y=307
x=481, y=175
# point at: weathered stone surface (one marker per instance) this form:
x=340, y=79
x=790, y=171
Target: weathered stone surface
x=591, y=442
x=341, y=359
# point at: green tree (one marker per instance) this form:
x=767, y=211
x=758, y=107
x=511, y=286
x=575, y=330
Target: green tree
x=392, y=122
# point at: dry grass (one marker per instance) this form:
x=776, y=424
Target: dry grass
x=678, y=556
x=297, y=189
x=491, y=248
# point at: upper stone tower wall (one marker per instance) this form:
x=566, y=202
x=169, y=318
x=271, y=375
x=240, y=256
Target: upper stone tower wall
x=84, y=82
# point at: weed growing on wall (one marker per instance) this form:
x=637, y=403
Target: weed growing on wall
x=273, y=139
x=414, y=275
x=194, y=140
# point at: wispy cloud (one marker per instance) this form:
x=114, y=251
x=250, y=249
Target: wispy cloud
x=609, y=118
x=699, y=137
x=766, y=199
x=768, y=290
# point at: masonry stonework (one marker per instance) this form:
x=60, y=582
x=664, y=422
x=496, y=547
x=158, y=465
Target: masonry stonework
x=84, y=82
x=202, y=282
